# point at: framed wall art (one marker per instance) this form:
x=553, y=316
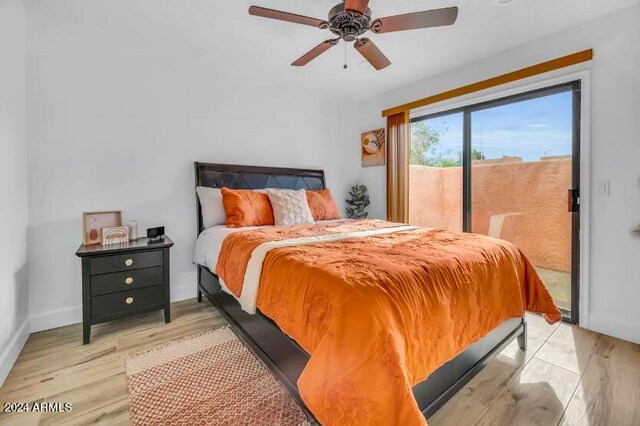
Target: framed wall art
x=373, y=148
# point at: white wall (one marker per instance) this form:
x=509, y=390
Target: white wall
x=116, y=120
x=613, y=267
x=14, y=294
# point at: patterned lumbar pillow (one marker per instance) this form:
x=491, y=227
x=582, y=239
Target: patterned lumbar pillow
x=290, y=207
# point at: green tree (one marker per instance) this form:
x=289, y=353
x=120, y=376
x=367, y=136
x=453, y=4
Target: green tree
x=441, y=161
x=423, y=141
x=477, y=155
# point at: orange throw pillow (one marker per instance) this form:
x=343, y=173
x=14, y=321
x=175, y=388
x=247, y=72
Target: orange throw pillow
x=322, y=205
x=246, y=208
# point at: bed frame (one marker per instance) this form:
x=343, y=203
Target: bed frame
x=281, y=354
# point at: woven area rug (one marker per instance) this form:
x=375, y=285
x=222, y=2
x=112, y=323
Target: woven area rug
x=209, y=379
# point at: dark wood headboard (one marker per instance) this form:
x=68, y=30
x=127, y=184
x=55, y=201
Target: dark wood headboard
x=253, y=177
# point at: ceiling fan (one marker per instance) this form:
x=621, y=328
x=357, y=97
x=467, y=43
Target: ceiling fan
x=351, y=19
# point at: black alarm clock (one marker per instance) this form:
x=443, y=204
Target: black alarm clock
x=155, y=234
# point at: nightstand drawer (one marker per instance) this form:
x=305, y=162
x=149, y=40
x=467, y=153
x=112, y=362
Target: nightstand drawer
x=125, y=262
x=127, y=280
x=126, y=301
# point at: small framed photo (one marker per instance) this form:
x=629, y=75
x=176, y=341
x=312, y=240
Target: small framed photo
x=93, y=222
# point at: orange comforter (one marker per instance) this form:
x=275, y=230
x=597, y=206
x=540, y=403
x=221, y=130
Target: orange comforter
x=379, y=314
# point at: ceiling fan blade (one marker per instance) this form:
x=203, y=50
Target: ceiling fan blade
x=372, y=54
x=413, y=21
x=284, y=16
x=315, y=52
x=358, y=5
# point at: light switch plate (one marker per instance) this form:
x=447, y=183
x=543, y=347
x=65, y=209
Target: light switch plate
x=604, y=189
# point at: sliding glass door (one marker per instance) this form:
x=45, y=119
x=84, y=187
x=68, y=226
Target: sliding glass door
x=508, y=169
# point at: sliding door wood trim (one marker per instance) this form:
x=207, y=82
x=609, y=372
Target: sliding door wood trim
x=544, y=67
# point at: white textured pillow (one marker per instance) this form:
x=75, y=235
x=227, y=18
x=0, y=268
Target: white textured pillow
x=212, y=208
x=290, y=207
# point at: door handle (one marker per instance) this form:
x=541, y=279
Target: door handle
x=573, y=200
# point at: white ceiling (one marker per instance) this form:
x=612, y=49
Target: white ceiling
x=248, y=47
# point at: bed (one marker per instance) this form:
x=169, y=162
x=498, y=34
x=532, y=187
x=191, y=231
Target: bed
x=281, y=354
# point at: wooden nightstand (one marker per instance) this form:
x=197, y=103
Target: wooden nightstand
x=122, y=280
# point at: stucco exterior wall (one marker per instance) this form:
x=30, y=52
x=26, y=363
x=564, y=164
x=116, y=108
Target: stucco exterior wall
x=531, y=195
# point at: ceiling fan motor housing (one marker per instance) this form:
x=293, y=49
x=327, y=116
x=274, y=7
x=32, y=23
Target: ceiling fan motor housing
x=348, y=24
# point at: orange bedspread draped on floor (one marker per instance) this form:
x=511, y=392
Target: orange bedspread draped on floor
x=379, y=314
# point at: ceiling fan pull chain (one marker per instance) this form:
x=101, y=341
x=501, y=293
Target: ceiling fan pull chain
x=345, y=56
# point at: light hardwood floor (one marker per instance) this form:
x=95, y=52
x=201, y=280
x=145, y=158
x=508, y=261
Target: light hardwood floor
x=568, y=375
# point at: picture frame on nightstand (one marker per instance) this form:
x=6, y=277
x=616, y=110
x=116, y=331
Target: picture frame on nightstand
x=93, y=222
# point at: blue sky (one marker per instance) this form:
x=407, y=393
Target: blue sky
x=530, y=129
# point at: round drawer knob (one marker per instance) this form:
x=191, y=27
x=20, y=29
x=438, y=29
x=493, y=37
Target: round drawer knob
x=128, y=281
x=128, y=262
x=129, y=300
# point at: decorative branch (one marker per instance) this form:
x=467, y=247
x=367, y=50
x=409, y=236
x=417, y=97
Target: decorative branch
x=379, y=138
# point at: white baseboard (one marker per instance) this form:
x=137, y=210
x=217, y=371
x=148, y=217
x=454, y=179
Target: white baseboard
x=60, y=318
x=56, y=318
x=73, y=315
x=621, y=330
x=10, y=353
